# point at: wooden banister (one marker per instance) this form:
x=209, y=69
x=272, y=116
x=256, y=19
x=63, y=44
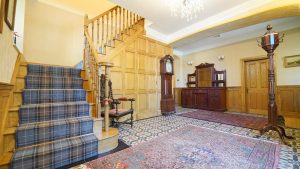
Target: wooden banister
x=101, y=32
x=105, y=13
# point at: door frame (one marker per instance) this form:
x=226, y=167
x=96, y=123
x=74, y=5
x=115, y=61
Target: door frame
x=243, y=77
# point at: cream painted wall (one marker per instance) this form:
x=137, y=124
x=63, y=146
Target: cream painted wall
x=233, y=54
x=8, y=55
x=52, y=35
x=19, y=24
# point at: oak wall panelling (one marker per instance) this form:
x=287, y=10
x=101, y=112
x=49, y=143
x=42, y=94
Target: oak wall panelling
x=138, y=64
x=233, y=95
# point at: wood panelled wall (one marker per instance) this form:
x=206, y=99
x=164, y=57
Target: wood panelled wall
x=287, y=97
x=5, y=94
x=136, y=74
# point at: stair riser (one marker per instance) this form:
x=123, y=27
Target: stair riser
x=20, y=84
x=40, y=70
x=16, y=99
x=90, y=97
x=9, y=142
x=40, y=114
x=37, y=135
x=13, y=117
x=86, y=85
x=51, y=96
x=53, y=83
x=22, y=71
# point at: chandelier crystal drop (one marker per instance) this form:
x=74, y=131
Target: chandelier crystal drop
x=188, y=9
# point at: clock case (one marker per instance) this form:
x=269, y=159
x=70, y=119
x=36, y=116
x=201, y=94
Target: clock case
x=167, y=103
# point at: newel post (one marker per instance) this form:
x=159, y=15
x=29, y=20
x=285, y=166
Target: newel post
x=86, y=22
x=107, y=66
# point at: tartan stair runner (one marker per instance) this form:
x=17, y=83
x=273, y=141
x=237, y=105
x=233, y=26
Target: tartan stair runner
x=55, y=124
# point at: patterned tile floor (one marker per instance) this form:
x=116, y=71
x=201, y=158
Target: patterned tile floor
x=147, y=129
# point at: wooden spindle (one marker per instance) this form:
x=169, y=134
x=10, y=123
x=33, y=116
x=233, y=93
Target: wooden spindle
x=106, y=39
x=102, y=34
x=98, y=38
x=123, y=20
x=111, y=26
x=116, y=22
x=120, y=20
x=93, y=31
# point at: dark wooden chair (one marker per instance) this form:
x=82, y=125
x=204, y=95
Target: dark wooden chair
x=116, y=113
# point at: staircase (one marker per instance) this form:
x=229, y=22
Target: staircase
x=55, y=127
x=53, y=117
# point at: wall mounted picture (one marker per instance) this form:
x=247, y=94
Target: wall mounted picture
x=10, y=11
x=292, y=61
x=1, y=14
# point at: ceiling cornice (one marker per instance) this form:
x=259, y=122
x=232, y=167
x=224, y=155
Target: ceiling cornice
x=207, y=23
x=246, y=14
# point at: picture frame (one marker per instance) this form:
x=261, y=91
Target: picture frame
x=10, y=12
x=292, y=61
x=2, y=2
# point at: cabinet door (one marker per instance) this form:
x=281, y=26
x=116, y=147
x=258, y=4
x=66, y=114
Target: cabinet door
x=190, y=99
x=201, y=98
x=187, y=99
x=184, y=96
x=217, y=99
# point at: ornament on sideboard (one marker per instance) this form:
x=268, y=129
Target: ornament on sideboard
x=221, y=58
x=190, y=63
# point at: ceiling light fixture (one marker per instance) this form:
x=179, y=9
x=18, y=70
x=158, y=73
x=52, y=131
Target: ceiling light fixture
x=188, y=9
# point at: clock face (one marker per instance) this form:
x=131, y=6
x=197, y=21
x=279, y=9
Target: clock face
x=169, y=66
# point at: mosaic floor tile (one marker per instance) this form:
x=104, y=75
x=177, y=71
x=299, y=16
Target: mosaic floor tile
x=148, y=129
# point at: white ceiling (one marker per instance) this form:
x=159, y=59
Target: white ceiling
x=196, y=44
x=167, y=28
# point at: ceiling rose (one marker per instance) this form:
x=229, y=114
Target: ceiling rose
x=188, y=9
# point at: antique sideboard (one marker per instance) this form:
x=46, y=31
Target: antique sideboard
x=206, y=89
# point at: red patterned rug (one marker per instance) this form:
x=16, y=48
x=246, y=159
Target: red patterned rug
x=239, y=120
x=193, y=147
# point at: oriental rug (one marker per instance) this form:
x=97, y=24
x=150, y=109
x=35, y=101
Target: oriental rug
x=193, y=147
x=246, y=121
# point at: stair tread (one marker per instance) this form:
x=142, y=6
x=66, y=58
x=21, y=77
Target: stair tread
x=14, y=109
x=5, y=158
x=45, y=123
x=47, y=76
x=23, y=64
x=53, y=104
x=48, y=89
x=10, y=130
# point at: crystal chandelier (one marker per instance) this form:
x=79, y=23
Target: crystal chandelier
x=187, y=9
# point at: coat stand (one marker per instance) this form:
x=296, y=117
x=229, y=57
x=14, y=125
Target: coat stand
x=269, y=43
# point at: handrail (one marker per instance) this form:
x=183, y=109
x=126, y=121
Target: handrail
x=105, y=13
x=88, y=38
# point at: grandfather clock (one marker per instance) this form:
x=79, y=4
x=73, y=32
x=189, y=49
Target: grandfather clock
x=167, y=103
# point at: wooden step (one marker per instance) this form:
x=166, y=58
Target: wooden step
x=13, y=116
x=5, y=160
x=10, y=131
x=9, y=139
x=108, y=140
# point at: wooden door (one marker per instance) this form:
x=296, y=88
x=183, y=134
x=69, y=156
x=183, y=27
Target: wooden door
x=257, y=86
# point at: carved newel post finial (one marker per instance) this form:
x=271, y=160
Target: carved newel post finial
x=269, y=43
x=269, y=27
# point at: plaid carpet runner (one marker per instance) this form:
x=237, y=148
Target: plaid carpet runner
x=55, y=124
